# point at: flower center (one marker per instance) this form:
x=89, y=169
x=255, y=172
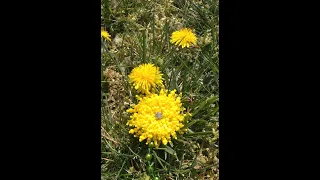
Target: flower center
x=159, y=115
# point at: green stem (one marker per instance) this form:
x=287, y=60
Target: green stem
x=120, y=169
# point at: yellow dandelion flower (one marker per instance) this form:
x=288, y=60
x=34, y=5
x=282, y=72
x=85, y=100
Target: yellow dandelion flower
x=184, y=38
x=157, y=118
x=145, y=78
x=106, y=35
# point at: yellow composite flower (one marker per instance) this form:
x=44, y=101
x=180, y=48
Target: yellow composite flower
x=184, y=38
x=157, y=118
x=145, y=77
x=106, y=35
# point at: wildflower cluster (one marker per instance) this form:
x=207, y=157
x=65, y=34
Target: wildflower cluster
x=154, y=71
x=157, y=117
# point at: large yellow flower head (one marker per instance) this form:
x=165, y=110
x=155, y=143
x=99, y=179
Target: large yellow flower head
x=106, y=35
x=157, y=118
x=184, y=38
x=145, y=77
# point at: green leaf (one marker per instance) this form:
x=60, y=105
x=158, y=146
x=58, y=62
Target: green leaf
x=205, y=103
x=169, y=150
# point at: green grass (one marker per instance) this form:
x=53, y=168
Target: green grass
x=140, y=32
